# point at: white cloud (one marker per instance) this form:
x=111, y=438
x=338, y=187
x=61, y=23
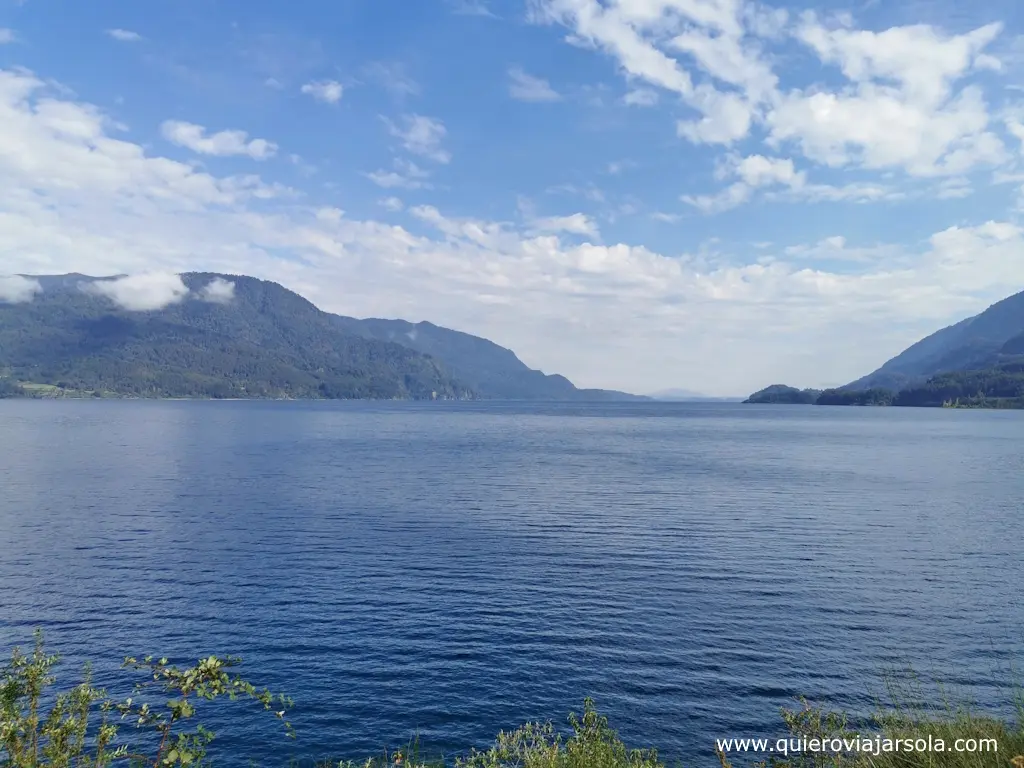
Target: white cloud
x=574, y=224
x=732, y=196
x=709, y=35
x=421, y=136
x=614, y=30
x=393, y=180
x=15, y=289
x=759, y=171
x=589, y=191
x=6, y=35
x=902, y=111
x=78, y=197
x=919, y=59
x=524, y=87
x=752, y=172
x=142, y=292
x=218, y=291
x=641, y=97
x=855, y=192
x=727, y=119
x=64, y=144
x=954, y=188
x=903, y=105
x=327, y=91
x=877, y=129
x=837, y=249
x=392, y=204
x=221, y=144
x=124, y=35
x=406, y=175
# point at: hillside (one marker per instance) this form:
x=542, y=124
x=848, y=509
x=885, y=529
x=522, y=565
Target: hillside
x=1000, y=386
x=488, y=368
x=262, y=341
x=236, y=336
x=975, y=343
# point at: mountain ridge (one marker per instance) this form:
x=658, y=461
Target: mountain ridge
x=225, y=335
x=479, y=361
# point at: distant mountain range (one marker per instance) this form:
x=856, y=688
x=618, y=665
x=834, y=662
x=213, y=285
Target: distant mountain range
x=235, y=336
x=978, y=362
x=689, y=396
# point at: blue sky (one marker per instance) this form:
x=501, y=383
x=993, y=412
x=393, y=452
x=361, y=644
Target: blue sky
x=640, y=194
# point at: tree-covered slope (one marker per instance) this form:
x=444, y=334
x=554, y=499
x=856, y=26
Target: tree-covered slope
x=972, y=344
x=1001, y=386
x=253, y=339
x=261, y=341
x=491, y=370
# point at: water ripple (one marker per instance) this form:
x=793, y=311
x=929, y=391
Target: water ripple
x=456, y=569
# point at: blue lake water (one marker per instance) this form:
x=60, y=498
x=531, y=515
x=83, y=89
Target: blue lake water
x=454, y=569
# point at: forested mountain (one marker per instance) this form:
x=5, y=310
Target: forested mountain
x=236, y=336
x=975, y=343
x=490, y=369
x=261, y=341
x=977, y=363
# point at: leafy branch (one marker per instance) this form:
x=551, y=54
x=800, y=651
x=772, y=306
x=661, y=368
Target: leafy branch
x=68, y=736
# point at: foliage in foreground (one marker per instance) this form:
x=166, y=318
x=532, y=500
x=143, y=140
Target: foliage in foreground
x=593, y=744
x=83, y=727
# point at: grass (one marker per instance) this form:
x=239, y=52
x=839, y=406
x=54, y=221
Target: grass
x=42, y=725
x=900, y=736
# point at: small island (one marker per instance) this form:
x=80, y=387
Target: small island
x=780, y=394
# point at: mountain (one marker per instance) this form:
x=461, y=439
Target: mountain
x=976, y=343
x=236, y=336
x=490, y=369
x=261, y=341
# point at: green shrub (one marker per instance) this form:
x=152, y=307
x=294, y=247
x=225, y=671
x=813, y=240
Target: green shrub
x=82, y=727
x=593, y=744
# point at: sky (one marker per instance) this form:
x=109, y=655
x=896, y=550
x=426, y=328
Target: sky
x=713, y=195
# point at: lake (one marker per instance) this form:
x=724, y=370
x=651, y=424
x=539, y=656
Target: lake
x=451, y=569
